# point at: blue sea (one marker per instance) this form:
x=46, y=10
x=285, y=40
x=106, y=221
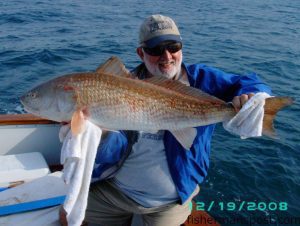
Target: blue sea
x=40, y=40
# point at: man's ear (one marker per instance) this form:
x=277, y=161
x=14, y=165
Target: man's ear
x=140, y=52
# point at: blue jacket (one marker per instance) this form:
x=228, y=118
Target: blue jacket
x=187, y=168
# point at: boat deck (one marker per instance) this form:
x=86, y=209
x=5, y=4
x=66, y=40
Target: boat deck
x=28, y=133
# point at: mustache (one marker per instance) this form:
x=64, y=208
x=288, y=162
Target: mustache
x=167, y=62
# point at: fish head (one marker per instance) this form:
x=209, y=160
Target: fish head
x=50, y=100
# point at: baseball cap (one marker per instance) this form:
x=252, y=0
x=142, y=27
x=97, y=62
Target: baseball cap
x=156, y=29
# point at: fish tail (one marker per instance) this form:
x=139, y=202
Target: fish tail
x=272, y=106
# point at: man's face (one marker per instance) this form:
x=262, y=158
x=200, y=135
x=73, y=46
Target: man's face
x=167, y=64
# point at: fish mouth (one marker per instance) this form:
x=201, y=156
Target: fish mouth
x=22, y=98
x=26, y=107
x=23, y=102
x=30, y=110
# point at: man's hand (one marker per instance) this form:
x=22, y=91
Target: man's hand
x=239, y=101
x=63, y=217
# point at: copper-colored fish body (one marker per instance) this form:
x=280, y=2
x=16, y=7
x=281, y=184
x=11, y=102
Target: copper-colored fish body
x=114, y=100
x=117, y=102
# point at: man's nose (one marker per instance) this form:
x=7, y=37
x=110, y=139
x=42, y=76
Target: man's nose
x=166, y=54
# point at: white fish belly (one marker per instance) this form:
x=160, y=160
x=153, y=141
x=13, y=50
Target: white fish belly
x=122, y=117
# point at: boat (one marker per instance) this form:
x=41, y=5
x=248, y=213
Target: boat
x=25, y=134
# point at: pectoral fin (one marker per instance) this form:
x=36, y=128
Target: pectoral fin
x=185, y=136
x=78, y=122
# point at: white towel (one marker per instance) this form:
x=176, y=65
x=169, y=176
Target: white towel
x=78, y=155
x=248, y=122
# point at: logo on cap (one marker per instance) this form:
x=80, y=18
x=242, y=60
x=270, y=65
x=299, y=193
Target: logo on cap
x=160, y=25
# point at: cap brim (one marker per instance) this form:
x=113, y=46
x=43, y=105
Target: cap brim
x=156, y=40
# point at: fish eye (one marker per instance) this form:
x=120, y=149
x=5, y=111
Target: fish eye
x=32, y=94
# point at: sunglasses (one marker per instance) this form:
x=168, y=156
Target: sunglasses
x=160, y=49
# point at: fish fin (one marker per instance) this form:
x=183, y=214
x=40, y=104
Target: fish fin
x=177, y=86
x=78, y=122
x=114, y=66
x=272, y=106
x=185, y=136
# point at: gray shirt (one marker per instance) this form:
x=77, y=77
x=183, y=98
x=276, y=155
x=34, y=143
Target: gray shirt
x=145, y=176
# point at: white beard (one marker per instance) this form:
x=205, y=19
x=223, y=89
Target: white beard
x=170, y=74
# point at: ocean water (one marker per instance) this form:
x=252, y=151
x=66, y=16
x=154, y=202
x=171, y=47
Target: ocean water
x=40, y=40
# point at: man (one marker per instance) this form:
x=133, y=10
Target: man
x=151, y=173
